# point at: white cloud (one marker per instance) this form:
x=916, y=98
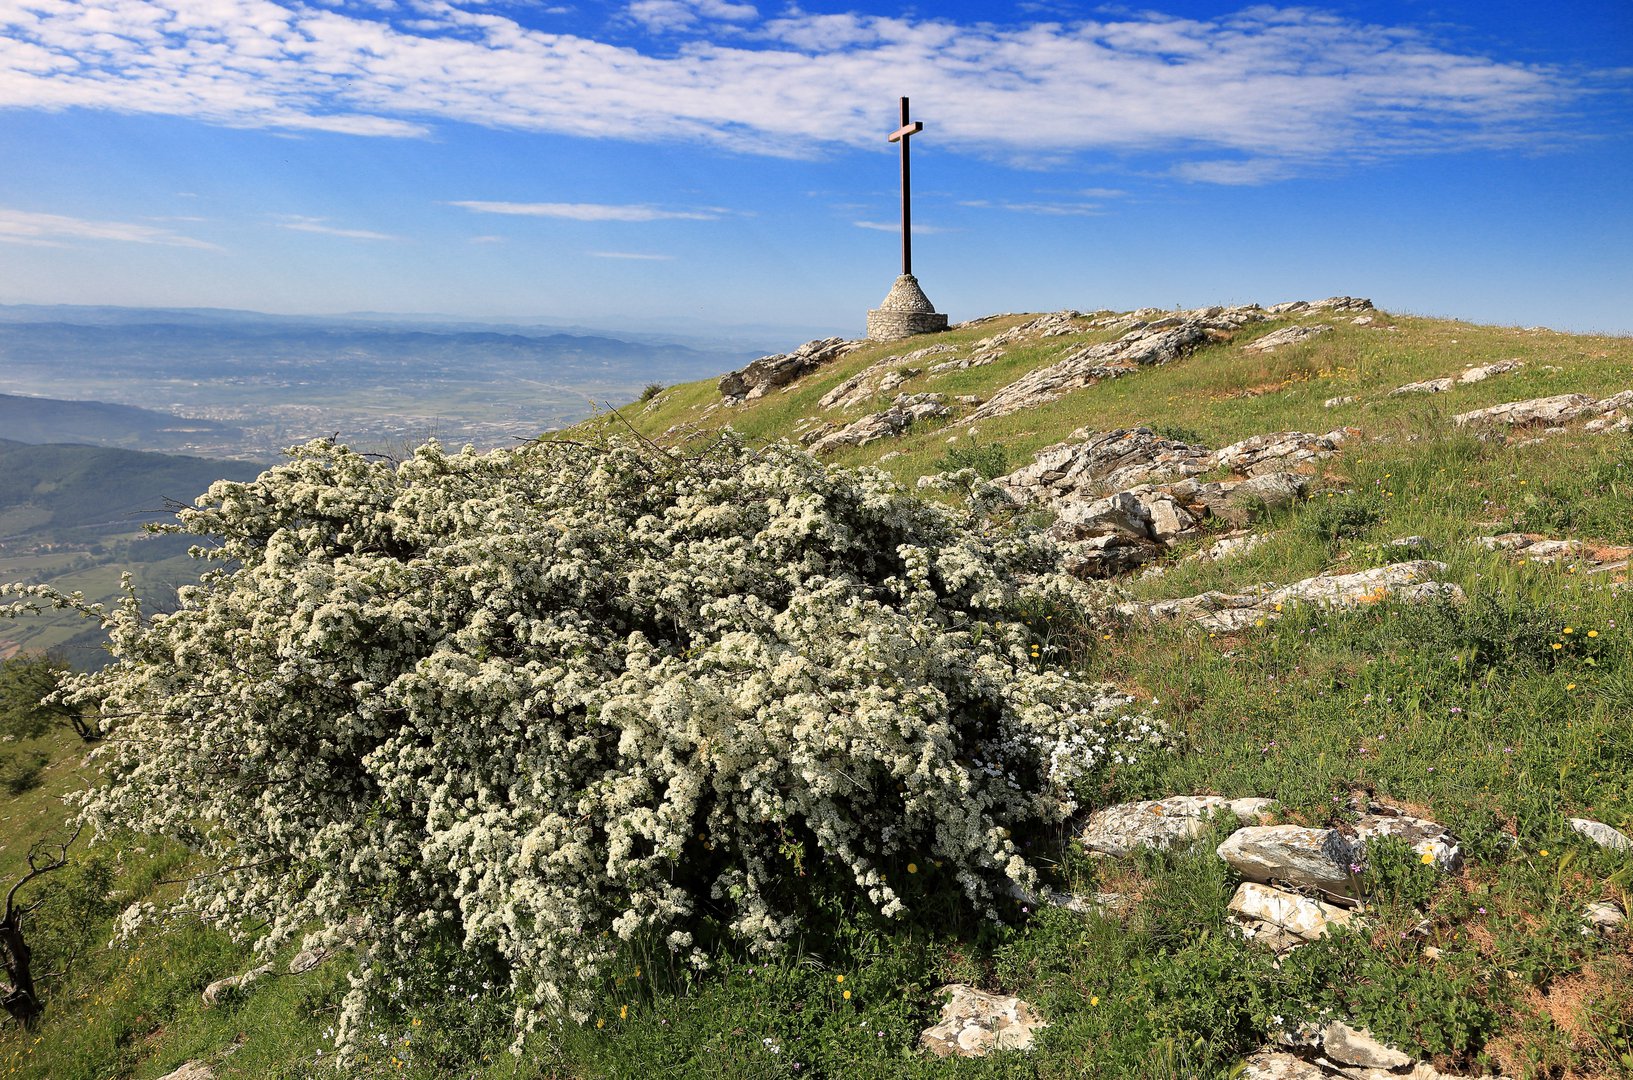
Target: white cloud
x=316, y=225
x=57, y=230
x=1244, y=172
x=636, y=255
x=1293, y=86
x=896, y=227
x=667, y=16
x=588, y=211
x=1049, y=208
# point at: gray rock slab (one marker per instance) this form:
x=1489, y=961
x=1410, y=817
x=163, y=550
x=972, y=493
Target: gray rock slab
x=1425, y=837
x=1157, y=823
x=1606, y=836
x=1356, y=1046
x=1604, y=916
x=1303, y=918
x=1301, y=857
x=1287, y=335
x=975, y=1023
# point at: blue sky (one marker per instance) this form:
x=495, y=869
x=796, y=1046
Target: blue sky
x=725, y=160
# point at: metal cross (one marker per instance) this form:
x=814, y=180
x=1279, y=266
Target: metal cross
x=901, y=135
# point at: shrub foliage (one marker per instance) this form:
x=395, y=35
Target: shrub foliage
x=542, y=702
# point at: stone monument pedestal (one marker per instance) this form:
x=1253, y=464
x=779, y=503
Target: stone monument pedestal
x=905, y=311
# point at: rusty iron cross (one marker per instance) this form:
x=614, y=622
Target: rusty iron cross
x=901, y=135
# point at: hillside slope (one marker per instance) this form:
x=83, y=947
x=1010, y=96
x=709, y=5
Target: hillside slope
x=1385, y=624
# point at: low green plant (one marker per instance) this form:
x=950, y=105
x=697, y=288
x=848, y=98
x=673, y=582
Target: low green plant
x=989, y=460
x=20, y=769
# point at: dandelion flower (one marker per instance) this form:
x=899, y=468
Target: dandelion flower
x=1558, y=645
x=839, y=978
x=1427, y=859
x=623, y=1012
x=1593, y=633
x=1094, y=999
x=1568, y=630
x=912, y=868
x=847, y=995
x=600, y=1023
x=1544, y=851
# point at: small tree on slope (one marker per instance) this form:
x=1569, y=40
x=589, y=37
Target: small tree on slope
x=537, y=702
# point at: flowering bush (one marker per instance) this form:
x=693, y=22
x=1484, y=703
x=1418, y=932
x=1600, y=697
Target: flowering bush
x=541, y=701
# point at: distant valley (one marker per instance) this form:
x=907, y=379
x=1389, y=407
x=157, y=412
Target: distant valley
x=254, y=384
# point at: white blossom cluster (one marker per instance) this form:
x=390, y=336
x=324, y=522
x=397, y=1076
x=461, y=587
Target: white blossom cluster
x=551, y=699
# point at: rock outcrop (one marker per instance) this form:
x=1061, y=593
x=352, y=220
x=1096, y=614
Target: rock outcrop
x=880, y=377
x=1159, y=341
x=975, y=1023
x=1157, y=823
x=769, y=373
x=1606, y=836
x=1411, y=582
x=1335, y=1050
x=1287, y=335
x=1090, y=464
x=1282, y=920
x=1280, y=451
x=1463, y=378
x=1612, y=412
x=221, y=989
x=903, y=413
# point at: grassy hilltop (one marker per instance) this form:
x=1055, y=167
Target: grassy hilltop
x=1499, y=715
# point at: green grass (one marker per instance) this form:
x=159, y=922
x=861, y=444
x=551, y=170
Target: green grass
x=1464, y=712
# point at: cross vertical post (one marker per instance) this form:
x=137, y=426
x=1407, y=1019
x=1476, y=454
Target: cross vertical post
x=901, y=135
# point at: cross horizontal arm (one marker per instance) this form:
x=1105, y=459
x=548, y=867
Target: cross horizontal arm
x=904, y=131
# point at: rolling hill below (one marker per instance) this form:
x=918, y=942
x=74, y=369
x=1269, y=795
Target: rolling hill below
x=99, y=423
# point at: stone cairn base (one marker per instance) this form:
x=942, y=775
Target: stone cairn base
x=905, y=311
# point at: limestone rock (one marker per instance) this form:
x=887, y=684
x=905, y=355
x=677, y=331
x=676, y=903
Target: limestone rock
x=768, y=373
x=1156, y=823
x=1229, y=547
x=1464, y=378
x=1161, y=341
x=1423, y=836
x=1334, y=304
x=880, y=377
x=1546, y=410
x=1090, y=464
x=903, y=413
x=1336, y=402
x=217, y=991
x=1279, y=451
x=1605, y=836
x=1604, y=916
x=307, y=959
x=1356, y=1046
x=1279, y=1065
x=1287, y=335
x=1411, y=582
x=193, y=1070
x=974, y=1023
x=1283, y=919
x=1302, y=857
